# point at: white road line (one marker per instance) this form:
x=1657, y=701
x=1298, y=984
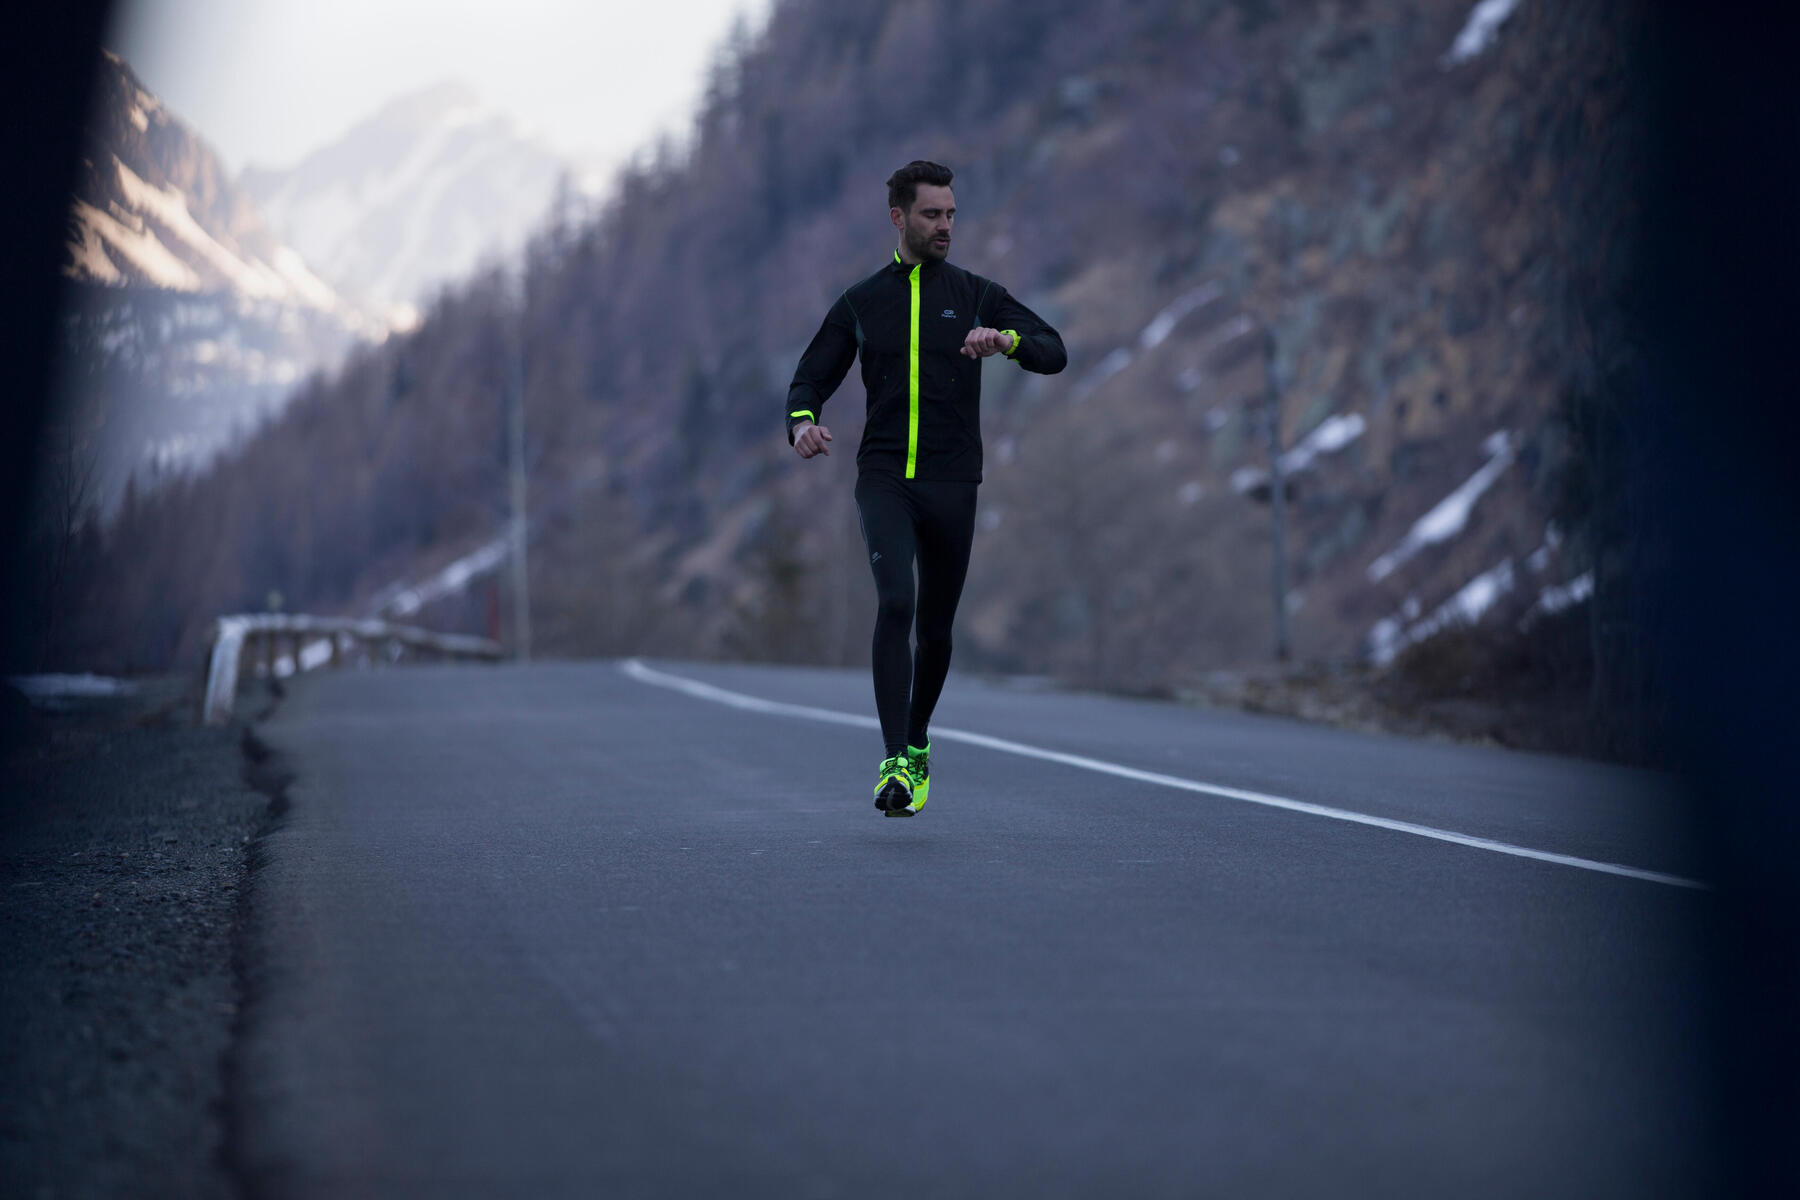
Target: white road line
x=706, y=691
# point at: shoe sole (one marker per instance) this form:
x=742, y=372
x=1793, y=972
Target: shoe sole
x=893, y=798
x=910, y=809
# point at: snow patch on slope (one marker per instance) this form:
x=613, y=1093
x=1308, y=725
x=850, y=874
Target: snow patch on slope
x=136, y=245
x=1558, y=596
x=49, y=689
x=1115, y=361
x=1154, y=334
x=403, y=600
x=302, y=282
x=1479, y=32
x=149, y=235
x=169, y=207
x=1328, y=437
x=1391, y=635
x=1451, y=515
x=1164, y=322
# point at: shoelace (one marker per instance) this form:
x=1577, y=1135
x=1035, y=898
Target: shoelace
x=896, y=765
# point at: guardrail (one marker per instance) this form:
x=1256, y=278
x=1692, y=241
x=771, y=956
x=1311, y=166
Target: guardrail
x=280, y=644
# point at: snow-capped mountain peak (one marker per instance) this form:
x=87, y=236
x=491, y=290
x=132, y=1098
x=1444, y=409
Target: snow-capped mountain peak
x=413, y=198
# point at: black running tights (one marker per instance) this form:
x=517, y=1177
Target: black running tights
x=932, y=521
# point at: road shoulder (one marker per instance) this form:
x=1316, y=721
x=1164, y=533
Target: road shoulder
x=125, y=840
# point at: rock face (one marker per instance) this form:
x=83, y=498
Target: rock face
x=187, y=320
x=154, y=208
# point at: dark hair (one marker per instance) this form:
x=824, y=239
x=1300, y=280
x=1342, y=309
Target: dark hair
x=903, y=185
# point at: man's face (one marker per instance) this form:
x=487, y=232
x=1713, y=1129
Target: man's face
x=925, y=231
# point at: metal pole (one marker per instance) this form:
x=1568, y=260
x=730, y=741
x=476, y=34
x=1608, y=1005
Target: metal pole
x=516, y=423
x=1277, y=495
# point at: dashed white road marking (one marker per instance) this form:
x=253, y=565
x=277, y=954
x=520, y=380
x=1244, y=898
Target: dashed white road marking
x=718, y=695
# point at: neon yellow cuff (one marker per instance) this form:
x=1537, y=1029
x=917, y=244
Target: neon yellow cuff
x=1014, y=335
x=804, y=413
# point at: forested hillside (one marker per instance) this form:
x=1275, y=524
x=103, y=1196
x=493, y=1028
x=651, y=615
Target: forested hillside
x=1415, y=241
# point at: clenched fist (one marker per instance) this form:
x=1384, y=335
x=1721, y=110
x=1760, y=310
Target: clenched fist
x=810, y=439
x=983, y=341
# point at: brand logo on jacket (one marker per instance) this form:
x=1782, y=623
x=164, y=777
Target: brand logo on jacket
x=949, y=312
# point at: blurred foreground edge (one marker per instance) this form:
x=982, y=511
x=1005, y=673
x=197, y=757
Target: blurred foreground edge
x=1719, y=256
x=1720, y=262
x=46, y=74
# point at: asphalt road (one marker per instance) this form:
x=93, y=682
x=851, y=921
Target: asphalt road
x=563, y=930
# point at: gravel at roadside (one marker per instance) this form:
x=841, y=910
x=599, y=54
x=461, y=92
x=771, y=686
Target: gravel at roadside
x=125, y=830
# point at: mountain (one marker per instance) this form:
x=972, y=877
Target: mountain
x=188, y=320
x=154, y=208
x=416, y=197
x=1392, y=231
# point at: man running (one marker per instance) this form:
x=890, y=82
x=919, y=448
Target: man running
x=917, y=324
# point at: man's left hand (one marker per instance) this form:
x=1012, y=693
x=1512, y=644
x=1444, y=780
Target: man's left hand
x=983, y=341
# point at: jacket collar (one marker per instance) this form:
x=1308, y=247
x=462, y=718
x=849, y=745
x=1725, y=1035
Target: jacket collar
x=900, y=267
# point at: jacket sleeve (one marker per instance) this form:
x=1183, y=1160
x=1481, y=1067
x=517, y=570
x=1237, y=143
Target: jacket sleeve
x=1039, y=348
x=822, y=367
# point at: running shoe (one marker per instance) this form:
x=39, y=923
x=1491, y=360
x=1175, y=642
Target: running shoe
x=893, y=787
x=918, y=766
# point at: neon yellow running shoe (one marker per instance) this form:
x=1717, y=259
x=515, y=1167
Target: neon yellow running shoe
x=918, y=766
x=894, y=787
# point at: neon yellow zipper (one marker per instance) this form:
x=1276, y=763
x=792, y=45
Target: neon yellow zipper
x=912, y=378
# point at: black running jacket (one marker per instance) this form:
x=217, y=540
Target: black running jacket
x=924, y=396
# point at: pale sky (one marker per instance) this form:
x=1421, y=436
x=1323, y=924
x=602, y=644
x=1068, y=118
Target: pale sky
x=266, y=81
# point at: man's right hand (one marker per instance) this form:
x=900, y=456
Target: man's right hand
x=810, y=439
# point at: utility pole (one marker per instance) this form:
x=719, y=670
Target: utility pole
x=1277, y=492
x=515, y=386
